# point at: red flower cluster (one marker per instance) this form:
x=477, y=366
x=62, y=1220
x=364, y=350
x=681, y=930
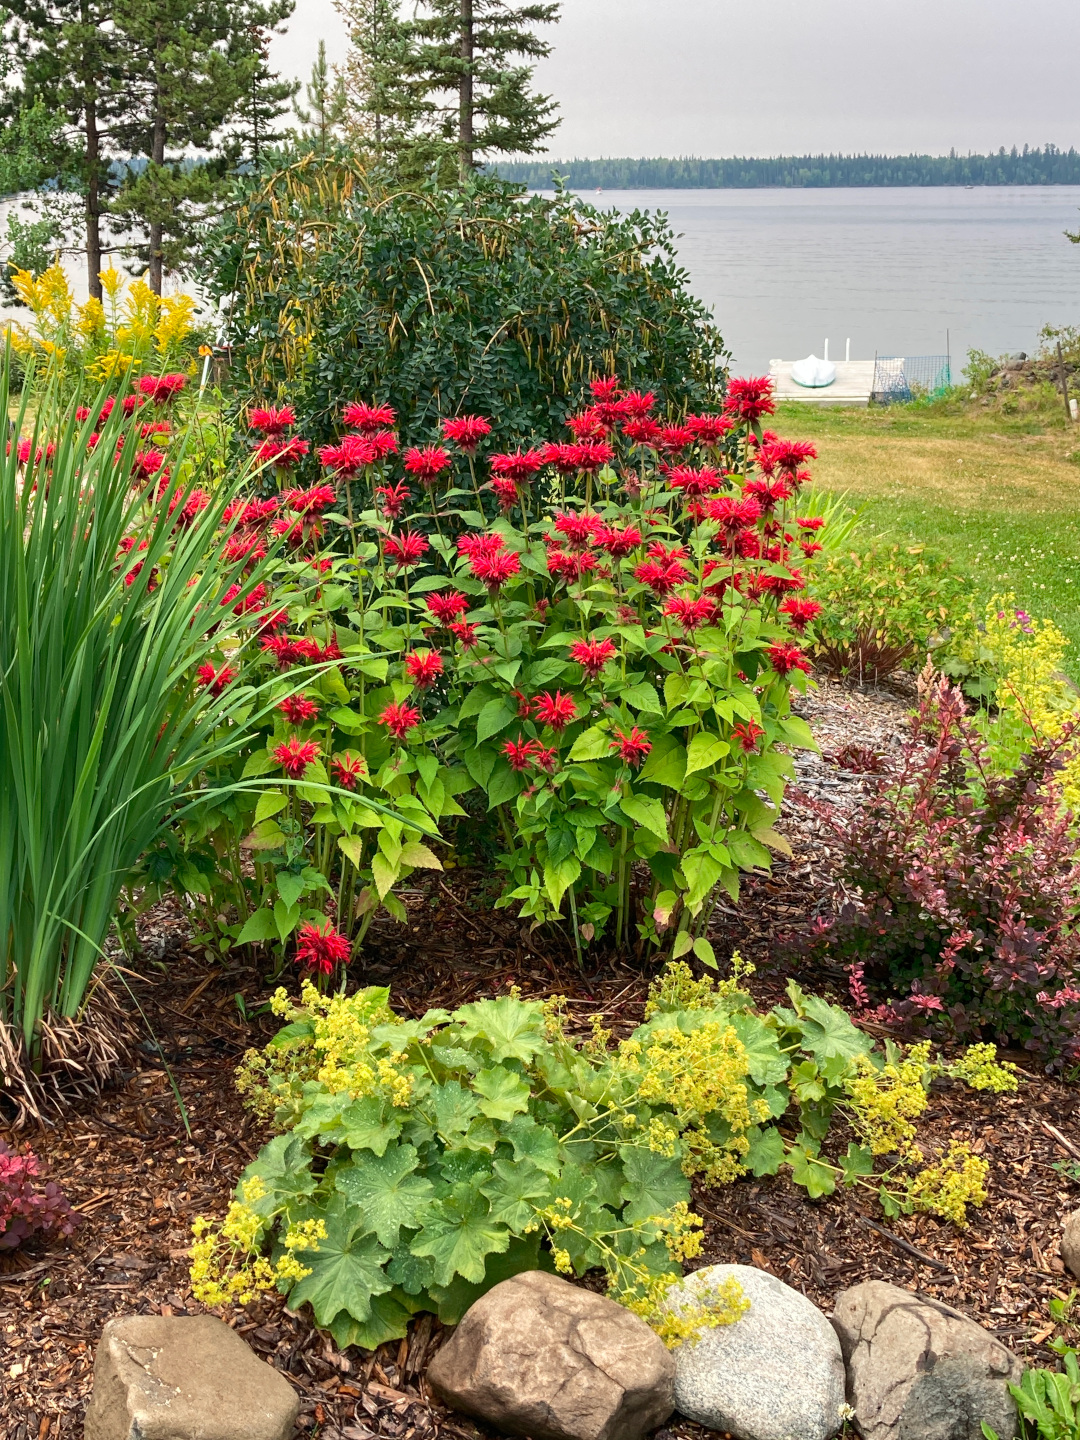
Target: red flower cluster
x=525, y=753
x=295, y=755
x=348, y=770
x=466, y=431
x=427, y=464
x=447, y=606
x=399, y=719
x=159, y=388
x=351, y=455
x=272, y=420
x=213, y=680
x=556, y=710
x=592, y=655
x=310, y=502
x=283, y=454
x=298, y=710
x=520, y=466
x=321, y=948
x=423, y=667
x=369, y=419
x=750, y=397
x=488, y=560
x=406, y=549
x=633, y=747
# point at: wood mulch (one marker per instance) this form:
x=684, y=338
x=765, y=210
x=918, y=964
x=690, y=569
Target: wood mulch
x=138, y=1178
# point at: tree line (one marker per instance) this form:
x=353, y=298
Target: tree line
x=1040, y=166
x=134, y=123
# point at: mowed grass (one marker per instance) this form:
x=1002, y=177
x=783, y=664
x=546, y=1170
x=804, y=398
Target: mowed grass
x=999, y=494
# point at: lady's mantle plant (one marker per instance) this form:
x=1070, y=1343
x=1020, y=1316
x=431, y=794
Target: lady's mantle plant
x=421, y=1161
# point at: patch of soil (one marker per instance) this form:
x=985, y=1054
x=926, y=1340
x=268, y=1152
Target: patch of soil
x=138, y=1178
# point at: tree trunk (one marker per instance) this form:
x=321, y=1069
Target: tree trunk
x=465, y=89
x=93, y=201
x=157, y=157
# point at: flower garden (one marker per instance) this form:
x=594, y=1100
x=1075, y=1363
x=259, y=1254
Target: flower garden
x=443, y=846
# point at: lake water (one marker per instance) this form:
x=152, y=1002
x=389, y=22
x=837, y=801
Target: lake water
x=894, y=270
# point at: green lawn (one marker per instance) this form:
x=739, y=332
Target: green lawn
x=998, y=493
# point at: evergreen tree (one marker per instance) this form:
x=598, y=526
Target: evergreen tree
x=66, y=58
x=325, y=96
x=465, y=61
x=385, y=111
x=192, y=66
x=266, y=95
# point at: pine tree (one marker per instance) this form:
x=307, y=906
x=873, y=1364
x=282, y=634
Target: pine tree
x=66, y=57
x=189, y=64
x=465, y=52
x=385, y=112
x=325, y=96
x=266, y=95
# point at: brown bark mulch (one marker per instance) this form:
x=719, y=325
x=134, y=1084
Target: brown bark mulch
x=138, y=1178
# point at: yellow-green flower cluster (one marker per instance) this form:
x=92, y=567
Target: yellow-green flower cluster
x=980, y=1068
x=676, y=989
x=948, y=1187
x=723, y=1304
x=884, y=1102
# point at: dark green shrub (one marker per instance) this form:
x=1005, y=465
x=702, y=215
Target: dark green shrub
x=479, y=300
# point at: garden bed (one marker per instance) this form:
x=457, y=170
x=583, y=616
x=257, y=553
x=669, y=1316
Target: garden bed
x=138, y=1179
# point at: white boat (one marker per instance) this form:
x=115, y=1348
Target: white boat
x=812, y=373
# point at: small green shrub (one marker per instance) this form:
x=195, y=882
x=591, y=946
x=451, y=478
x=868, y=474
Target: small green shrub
x=884, y=608
x=477, y=299
x=421, y=1161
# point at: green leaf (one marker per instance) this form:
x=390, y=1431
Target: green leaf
x=455, y=1110
x=858, y=1162
x=704, y=952
x=384, y=873
x=704, y=751
x=516, y=1190
x=535, y=1142
x=269, y=804
x=558, y=878
x=495, y=716
x=826, y=1029
x=504, y=784
x=346, y=1270
x=665, y=764
x=523, y=1253
x=591, y=744
x=508, y=1029
x=284, y=1167
x=387, y=1191
x=389, y=1320
x=505, y=1093
x=458, y=1233
x=652, y=1183
x=258, y=764
x=286, y=918
x=766, y=1152
x=808, y=1171
x=352, y=846
x=642, y=697
x=290, y=887
x=684, y=941
x=420, y=856
x=259, y=927
x=647, y=811
x=747, y=853
x=768, y=1063
x=795, y=731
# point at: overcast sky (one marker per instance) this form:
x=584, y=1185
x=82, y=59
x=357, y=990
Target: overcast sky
x=711, y=77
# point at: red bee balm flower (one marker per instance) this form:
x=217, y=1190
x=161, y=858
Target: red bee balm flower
x=423, y=668
x=310, y=502
x=801, y=612
x=426, y=464
x=273, y=420
x=633, y=747
x=215, y=680
x=465, y=632
x=447, y=606
x=618, y=543
x=466, y=431
x=689, y=614
x=519, y=752
x=694, y=482
x=354, y=453
x=406, y=550
x=556, y=710
x=369, y=418
x=746, y=735
x=393, y=499
x=785, y=658
x=399, y=719
x=495, y=570
x=592, y=655
x=520, y=466
x=162, y=388
x=297, y=710
x=283, y=453
x=294, y=756
x=320, y=947
x=750, y=397
x=709, y=429
x=348, y=769
x=662, y=576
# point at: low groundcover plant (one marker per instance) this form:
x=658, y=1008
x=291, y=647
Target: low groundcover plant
x=418, y=1162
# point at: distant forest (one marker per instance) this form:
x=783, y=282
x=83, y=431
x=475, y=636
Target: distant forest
x=1048, y=166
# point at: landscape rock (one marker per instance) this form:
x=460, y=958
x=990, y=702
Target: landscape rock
x=184, y=1377
x=919, y=1370
x=538, y=1356
x=1070, y=1244
x=777, y=1373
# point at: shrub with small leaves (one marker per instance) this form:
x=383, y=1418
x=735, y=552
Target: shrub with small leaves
x=29, y=1204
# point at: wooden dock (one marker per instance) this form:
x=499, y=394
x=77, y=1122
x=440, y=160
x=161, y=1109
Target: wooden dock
x=852, y=386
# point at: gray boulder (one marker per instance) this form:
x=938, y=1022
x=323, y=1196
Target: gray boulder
x=1070, y=1244
x=775, y=1374
x=184, y=1377
x=540, y=1357
x=919, y=1370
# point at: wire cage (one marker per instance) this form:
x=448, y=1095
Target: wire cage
x=899, y=378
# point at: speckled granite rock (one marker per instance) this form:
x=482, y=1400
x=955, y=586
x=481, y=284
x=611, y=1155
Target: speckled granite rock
x=1070, y=1244
x=919, y=1370
x=775, y=1374
x=538, y=1356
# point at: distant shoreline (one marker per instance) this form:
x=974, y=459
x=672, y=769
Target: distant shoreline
x=1039, y=167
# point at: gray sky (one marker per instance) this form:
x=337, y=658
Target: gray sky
x=671, y=77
